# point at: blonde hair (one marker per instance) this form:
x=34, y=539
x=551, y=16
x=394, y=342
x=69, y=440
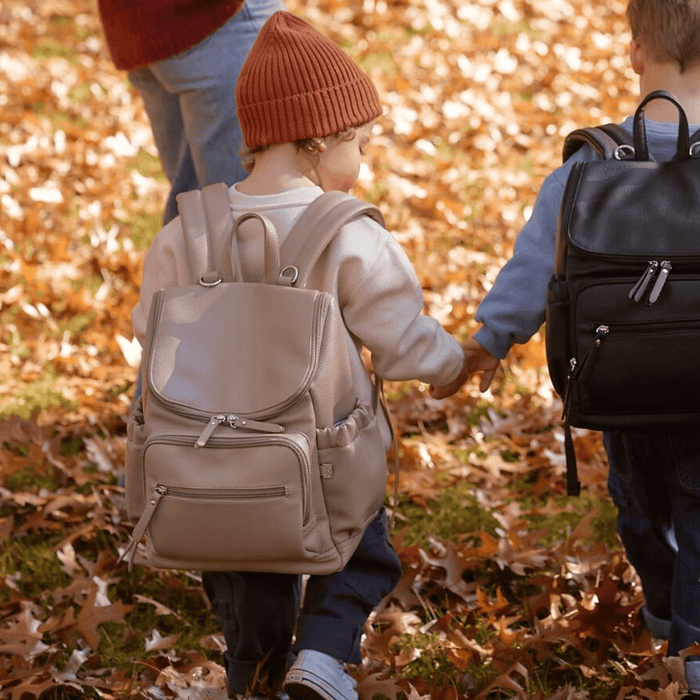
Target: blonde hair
x=670, y=29
x=312, y=146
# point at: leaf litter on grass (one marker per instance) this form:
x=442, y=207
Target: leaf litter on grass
x=509, y=588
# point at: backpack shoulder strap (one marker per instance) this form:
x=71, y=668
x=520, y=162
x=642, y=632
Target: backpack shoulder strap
x=317, y=227
x=206, y=214
x=604, y=139
x=310, y=236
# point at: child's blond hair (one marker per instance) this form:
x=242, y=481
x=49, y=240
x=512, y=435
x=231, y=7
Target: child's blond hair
x=312, y=146
x=670, y=29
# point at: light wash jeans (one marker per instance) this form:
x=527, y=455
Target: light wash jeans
x=190, y=102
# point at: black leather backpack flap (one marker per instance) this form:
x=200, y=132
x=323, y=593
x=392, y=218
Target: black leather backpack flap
x=634, y=209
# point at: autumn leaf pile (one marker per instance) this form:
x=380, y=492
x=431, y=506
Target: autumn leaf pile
x=510, y=589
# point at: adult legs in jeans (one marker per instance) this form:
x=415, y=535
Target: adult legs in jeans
x=655, y=484
x=259, y=612
x=190, y=102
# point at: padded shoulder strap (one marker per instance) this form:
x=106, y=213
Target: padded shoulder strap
x=207, y=213
x=317, y=227
x=604, y=139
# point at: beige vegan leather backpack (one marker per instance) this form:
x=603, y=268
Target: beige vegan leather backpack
x=250, y=450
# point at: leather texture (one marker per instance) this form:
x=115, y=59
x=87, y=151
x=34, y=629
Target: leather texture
x=622, y=326
x=250, y=449
x=620, y=221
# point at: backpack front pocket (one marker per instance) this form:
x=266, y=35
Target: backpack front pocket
x=619, y=372
x=635, y=362
x=237, y=499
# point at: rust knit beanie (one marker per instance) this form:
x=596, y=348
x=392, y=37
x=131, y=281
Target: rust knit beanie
x=298, y=84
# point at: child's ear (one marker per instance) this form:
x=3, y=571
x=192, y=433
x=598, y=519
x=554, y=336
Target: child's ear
x=637, y=57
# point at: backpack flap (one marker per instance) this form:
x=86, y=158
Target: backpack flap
x=616, y=206
x=202, y=332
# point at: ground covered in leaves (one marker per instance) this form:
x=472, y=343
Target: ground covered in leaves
x=510, y=589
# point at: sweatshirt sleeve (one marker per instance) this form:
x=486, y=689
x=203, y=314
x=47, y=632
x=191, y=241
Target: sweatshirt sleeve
x=163, y=267
x=514, y=309
x=382, y=302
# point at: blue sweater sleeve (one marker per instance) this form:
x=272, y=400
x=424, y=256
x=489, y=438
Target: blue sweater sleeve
x=514, y=308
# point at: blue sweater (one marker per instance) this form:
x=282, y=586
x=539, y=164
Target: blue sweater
x=514, y=308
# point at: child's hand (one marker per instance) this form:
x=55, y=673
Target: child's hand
x=445, y=390
x=476, y=359
x=480, y=360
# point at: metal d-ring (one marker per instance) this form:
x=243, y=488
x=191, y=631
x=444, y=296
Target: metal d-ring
x=294, y=276
x=695, y=150
x=624, y=152
x=210, y=283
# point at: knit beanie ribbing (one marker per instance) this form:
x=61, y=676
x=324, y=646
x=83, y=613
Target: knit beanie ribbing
x=298, y=84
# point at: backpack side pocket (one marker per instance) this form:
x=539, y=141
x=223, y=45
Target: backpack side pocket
x=135, y=440
x=352, y=460
x=557, y=336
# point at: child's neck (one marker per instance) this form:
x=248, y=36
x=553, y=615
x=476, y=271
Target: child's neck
x=684, y=86
x=277, y=169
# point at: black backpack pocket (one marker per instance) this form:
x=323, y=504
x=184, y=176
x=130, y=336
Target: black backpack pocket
x=639, y=367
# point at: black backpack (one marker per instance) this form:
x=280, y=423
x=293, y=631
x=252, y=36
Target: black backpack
x=623, y=311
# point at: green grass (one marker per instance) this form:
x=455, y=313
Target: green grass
x=454, y=512
x=35, y=397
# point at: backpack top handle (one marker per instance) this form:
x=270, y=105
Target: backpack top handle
x=640, y=133
x=271, y=249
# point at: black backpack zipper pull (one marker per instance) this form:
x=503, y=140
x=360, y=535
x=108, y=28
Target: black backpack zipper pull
x=637, y=292
x=664, y=272
x=566, y=402
x=576, y=369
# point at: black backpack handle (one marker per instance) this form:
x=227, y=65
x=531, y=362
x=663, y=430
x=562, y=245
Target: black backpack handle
x=641, y=149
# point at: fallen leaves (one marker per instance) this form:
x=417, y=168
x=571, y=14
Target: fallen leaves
x=96, y=611
x=478, y=97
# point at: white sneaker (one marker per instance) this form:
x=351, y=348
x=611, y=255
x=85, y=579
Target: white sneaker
x=318, y=676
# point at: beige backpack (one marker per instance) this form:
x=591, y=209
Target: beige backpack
x=249, y=449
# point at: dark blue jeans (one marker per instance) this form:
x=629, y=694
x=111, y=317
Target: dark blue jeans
x=260, y=612
x=654, y=481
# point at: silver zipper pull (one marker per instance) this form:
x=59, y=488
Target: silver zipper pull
x=637, y=292
x=209, y=429
x=664, y=272
x=600, y=333
x=237, y=422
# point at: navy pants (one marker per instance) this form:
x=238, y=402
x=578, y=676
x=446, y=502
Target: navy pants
x=654, y=481
x=261, y=612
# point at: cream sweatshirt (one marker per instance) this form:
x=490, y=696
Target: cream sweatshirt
x=364, y=268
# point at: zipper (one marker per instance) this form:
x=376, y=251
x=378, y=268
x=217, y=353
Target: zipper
x=140, y=528
x=225, y=494
x=664, y=272
x=642, y=283
x=291, y=441
x=320, y=304
x=664, y=268
x=235, y=422
x=577, y=369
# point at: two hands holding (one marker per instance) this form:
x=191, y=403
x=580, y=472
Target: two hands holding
x=476, y=359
